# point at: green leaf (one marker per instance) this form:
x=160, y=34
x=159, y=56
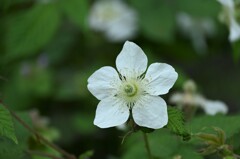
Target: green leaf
x=77, y=11
x=187, y=152
x=176, y=123
x=160, y=146
x=229, y=124
x=28, y=31
x=158, y=142
x=6, y=124
x=10, y=150
x=236, y=50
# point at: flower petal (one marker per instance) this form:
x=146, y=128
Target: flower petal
x=151, y=112
x=177, y=98
x=227, y=3
x=212, y=107
x=131, y=61
x=160, y=77
x=103, y=82
x=234, y=30
x=111, y=112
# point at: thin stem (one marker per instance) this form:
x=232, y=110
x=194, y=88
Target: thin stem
x=39, y=153
x=147, y=145
x=126, y=135
x=40, y=137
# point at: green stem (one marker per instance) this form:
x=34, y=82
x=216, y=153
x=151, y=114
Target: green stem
x=147, y=145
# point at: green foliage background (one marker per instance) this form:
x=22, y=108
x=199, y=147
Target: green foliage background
x=48, y=51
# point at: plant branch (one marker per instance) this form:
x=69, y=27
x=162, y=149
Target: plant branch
x=40, y=137
x=147, y=145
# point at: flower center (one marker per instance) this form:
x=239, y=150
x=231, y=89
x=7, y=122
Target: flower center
x=130, y=89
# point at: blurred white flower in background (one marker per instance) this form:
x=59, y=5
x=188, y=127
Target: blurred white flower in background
x=197, y=30
x=132, y=89
x=122, y=127
x=212, y=107
x=38, y=120
x=190, y=97
x=42, y=125
x=113, y=17
x=229, y=16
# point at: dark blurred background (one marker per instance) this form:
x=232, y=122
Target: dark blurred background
x=48, y=50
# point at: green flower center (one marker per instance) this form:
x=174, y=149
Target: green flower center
x=130, y=89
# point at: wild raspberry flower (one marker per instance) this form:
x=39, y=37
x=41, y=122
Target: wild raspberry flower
x=229, y=16
x=114, y=18
x=130, y=90
x=190, y=97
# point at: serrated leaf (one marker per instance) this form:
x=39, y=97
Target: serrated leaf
x=176, y=123
x=77, y=11
x=10, y=150
x=29, y=31
x=6, y=124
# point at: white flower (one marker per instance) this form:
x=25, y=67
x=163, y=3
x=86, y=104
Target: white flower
x=196, y=29
x=130, y=89
x=187, y=99
x=191, y=98
x=212, y=107
x=228, y=16
x=114, y=18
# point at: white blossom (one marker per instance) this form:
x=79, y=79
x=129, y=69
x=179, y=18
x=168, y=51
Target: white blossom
x=212, y=107
x=130, y=89
x=113, y=17
x=228, y=16
x=190, y=97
